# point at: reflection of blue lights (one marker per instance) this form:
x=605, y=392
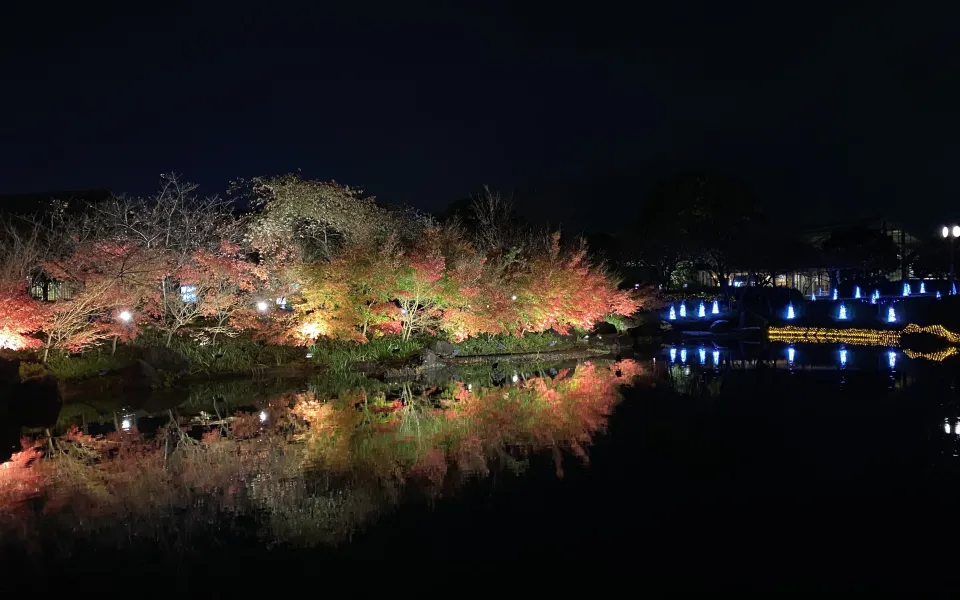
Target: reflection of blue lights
x=834, y=293
x=923, y=288
x=953, y=289
x=892, y=359
x=790, y=314
x=791, y=354
x=873, y=299
x=702, y=311
x=876, y=294
x=938, y=294
x=813, y=297
x=843, y=357
x=716, y=308
x=673, y=355
x=716, y=357
x=703, y=356
x=683, y=355
x=683, y=310
x=843, y=313
x=891, y=315
x=856, y=292
x=673, y=313
x=906, y=288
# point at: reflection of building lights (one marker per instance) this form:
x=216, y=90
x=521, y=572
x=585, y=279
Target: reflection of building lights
x=791, y=354
x=262, y=306
x=683, y=310
x=683, y=355
x=843, y=357
x=703, y=356
x=892, y=359
x=716, y=308
x=126, y=316
x=263, y=416
x=716, y=357
x=673, y=313
x=673, y=355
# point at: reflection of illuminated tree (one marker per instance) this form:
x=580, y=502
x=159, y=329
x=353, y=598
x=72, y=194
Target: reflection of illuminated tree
x=308, y=474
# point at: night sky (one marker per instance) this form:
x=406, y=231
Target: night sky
x=827, y=113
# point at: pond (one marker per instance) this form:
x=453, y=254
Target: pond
x=753, y=466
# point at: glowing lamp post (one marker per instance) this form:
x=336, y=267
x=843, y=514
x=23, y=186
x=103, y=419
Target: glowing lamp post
x=946, y=232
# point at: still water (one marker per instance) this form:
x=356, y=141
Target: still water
x=687, y=467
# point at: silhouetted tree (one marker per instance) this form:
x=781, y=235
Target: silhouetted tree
x=862, y=253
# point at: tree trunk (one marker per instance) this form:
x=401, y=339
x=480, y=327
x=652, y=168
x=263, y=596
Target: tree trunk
x=169, y=337
x=113, y=349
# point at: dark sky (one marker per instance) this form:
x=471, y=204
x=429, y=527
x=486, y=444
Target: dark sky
x=827, y=112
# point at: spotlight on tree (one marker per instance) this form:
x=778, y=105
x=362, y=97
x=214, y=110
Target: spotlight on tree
x=263, y=306
x=126, y=316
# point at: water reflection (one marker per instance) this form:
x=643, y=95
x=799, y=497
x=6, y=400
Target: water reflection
x=306, y=467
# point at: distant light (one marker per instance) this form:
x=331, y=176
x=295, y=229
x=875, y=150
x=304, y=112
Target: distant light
x=683, y=310
x=938, y=294
x=673, y=355
x=891, y=315
x=514, y=378
x=513, y=297
x=262, y=306
x=126, y=316
x=126, y=424
x=403, y=311
x=716, y=357
x=263, y=416
x=923, y=288
x=309, y=354
x=673, y=313
x=703, y=356
x=702, y=311
x=716, y=308
x=953, y=289
x=956, y=231
x=946, y=233
x=813, y=297
x=946, y=426
x=790, y=313
x=683, y=355
x=843, y=357
x=586, y=337
x=636, y=286
x=834, y=293
x=906, y=288
x=469, y=387
x=843, y=313
x=856, y=292
x=873, y=299
x=892, y=359
x=956, y=428
x=791, y=354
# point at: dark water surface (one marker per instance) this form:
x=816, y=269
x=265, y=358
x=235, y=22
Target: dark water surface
x=740, y=468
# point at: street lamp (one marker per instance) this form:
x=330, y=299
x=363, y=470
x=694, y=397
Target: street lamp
x=946, y=233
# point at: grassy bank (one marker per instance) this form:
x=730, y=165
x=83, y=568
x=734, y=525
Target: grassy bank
x=242, y=354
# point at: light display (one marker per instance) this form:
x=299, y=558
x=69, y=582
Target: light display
x=939, y=355
x=791, y=354
x=906, y=288
x=892, y=359
x=937, y=330
x=856, y=292
x=842, y=315
x=703, y=356
x=891, y=315
x=820, y=335
x=716, y=308
x=813, y=297
x=673, y=355
x=923, y=288
x=938, y=294
x=683, y=310
x=716, y=357
x=683, y=355
x=843, y=357
x=834, y=293
x=702, y=311
x=953, y=289
x=790, y=314
x=673, y=313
